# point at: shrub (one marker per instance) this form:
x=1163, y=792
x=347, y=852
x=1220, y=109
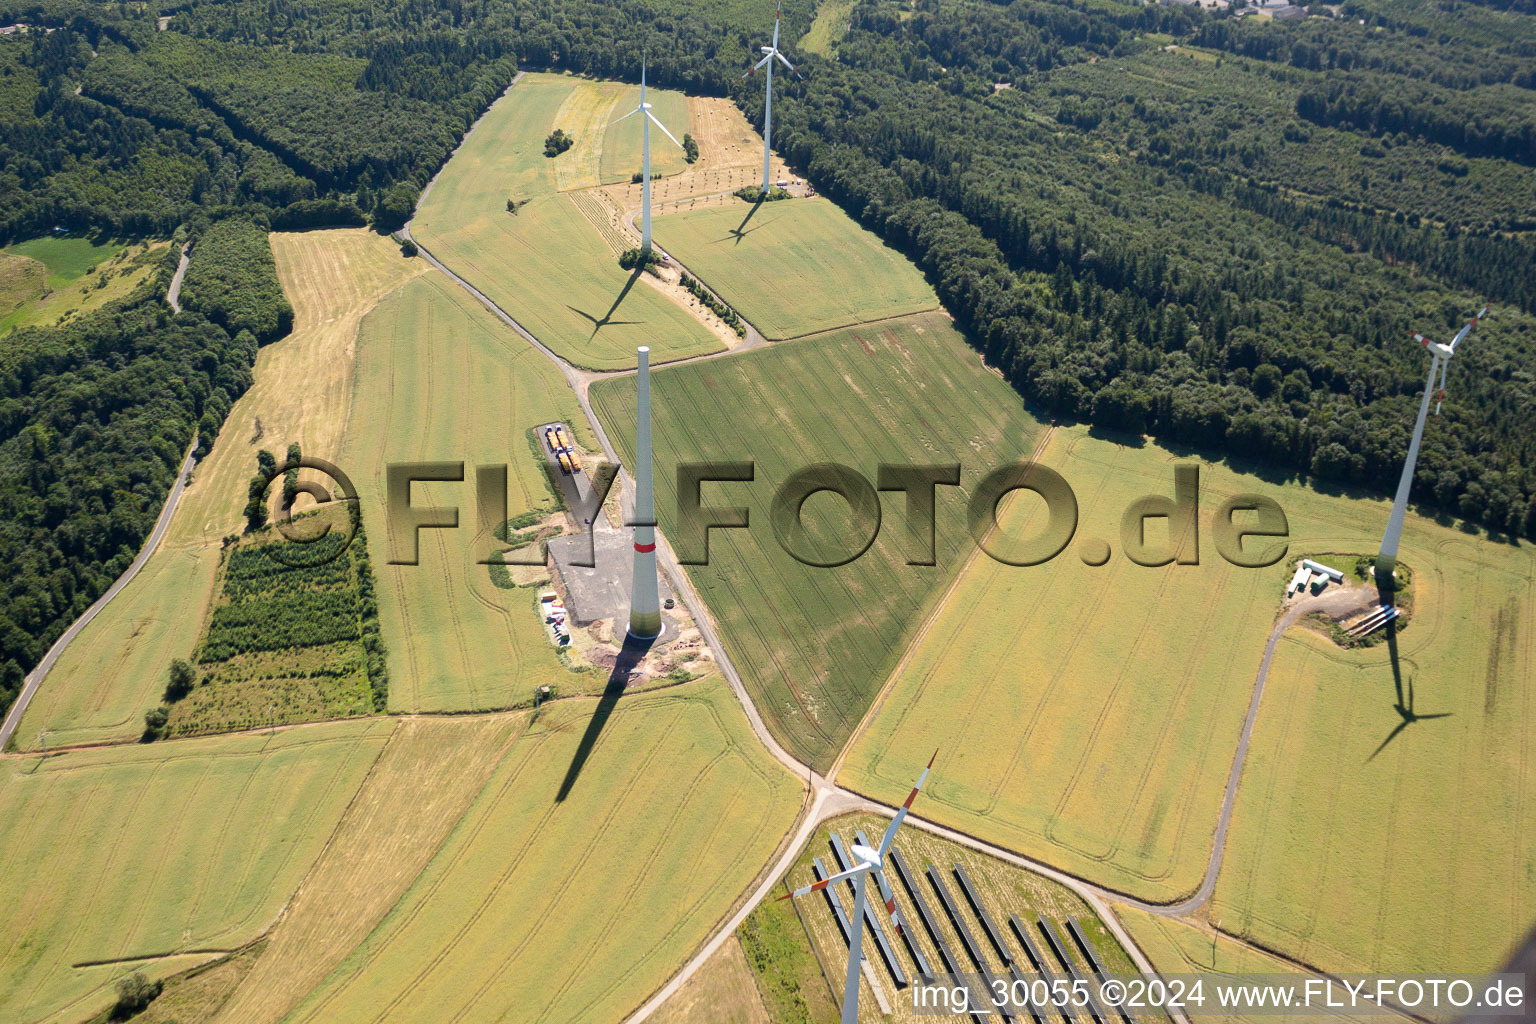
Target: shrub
x=182, y=679
x=134, y=993
x=557, y=142
x=631, y=258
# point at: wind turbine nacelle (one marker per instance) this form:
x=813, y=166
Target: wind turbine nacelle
x=766, y=49
x=865, y=855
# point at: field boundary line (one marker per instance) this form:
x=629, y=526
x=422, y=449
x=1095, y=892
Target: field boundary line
x=922, y=633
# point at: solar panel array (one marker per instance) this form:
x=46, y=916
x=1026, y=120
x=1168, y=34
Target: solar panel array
x=1045, y=954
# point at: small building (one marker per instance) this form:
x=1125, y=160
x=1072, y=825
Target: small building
x=1288, y=13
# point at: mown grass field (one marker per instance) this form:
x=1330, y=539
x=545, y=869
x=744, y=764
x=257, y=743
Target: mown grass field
x=1002, y=888
x=79, y=277
x=67, y=258
x=440, y=379
x=116, y=669
x=1089, y=718
x=1178, y=948
x=795, y=266
x=546, y=265
x=1421, y=856
x=815, y=644
x=433, y=766
x=153, y=852
x=21, y=281
x=577, y=910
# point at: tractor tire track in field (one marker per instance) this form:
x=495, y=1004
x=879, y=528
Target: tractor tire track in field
x=826, y=798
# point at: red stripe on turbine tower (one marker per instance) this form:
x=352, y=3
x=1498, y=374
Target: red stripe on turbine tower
x=645, y=549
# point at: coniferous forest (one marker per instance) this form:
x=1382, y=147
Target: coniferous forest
x=1213, y=227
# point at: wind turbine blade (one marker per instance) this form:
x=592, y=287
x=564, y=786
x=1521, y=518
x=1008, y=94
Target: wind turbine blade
x=663, y=128
x=1445, y=364
x=778, y=12
x=785, y=61
x=829, y=880
x=632, y=113
x=760, y=63
x=1468, y=329
x=890, y=832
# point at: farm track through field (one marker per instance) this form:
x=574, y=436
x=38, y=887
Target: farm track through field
x=826, y=798
x=580, y=381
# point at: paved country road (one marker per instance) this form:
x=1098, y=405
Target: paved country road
x=29, y=687
x=826, y=799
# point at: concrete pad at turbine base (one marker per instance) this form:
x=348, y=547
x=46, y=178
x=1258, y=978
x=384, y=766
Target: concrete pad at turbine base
x=602, y=591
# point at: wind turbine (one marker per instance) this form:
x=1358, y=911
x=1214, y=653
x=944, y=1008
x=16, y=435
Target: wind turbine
x=1441, y=355
x=770, y=52
x=645, y=159
x=868, y=861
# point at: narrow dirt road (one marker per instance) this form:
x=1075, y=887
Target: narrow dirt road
x=173, y=293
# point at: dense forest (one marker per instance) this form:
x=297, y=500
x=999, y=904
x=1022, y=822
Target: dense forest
x=1172, y=223
x=1217, y=229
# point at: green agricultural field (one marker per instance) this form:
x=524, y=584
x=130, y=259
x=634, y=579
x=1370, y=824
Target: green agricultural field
x=1178, y=948
x=577, y=910
x=439, y=378
x=621, y=142
x=1417, y=855
x=67, y=258
x=814, y=644
x=795, y=266
x=80, y=277
x=1088, y=717
x=546, y=265
x=132, y=857
x=828, y=29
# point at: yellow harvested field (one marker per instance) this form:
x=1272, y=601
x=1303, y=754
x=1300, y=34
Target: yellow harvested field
x=583, y=115
x=1090, y=717
x=424, y=781
x=545, y=265
x=1175, y=947
x=1361, y=843
x=116, y=669
x=621, y=155
x=576, y=911
x=440, y=378
x=151, y=857
x=722, y=992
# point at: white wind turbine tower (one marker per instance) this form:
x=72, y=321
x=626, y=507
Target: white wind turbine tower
x=868, y=861
x=645, y=159
x=1386, y=560
x=770, y=53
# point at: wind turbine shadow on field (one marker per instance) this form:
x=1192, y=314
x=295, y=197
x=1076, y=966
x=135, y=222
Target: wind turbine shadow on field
x=1404, y=708
x=607, y=319
x=741, y=230
x=630, y=655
